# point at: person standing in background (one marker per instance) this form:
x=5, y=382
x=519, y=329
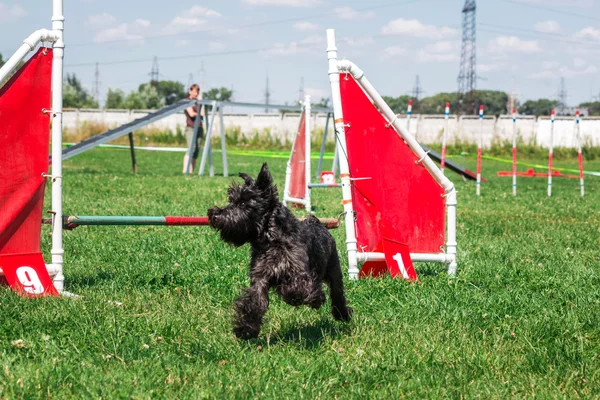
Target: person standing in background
x=191, y=113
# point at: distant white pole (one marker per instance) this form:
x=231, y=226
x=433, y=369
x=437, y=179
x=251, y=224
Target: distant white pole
x=550, y=154
x=579, y=155
x=445, y=137
x=408, y=114
x=514, y=152
x=480, y=145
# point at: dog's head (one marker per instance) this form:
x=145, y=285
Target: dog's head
x=250, y=203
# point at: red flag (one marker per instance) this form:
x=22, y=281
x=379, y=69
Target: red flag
x=24, y=142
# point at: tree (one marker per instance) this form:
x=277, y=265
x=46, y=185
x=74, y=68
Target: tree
x=538, y=107
x=493, y=101
x=436, y=104
x=397, y=104
x=220, y=94
x=75, y=96
x=169, y=91
x=115, y=99
x=145, y=98
x=593, y=108
x=2, y=62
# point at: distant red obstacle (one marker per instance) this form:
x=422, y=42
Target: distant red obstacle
x=25, y=135
x=532, y=174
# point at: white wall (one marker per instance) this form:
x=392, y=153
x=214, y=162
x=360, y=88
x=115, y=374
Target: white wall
x=427, y=128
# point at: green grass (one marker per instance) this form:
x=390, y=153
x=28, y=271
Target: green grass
x=522, y=318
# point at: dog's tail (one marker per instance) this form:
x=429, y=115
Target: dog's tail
x=311, y=219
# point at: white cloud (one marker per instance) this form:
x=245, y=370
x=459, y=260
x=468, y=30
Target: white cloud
x=11, y=14
x=550, y=64
x=284, y=3
x=561, y=3
x=128, y=33
x=588, y=33
x=357, y=42
x=512, y=44
x=183, y=43
x=190, y=20
x=394, y=51
x=199, y=11
x=579, y=62
x=349, y=13
x=547, y=26
x=101, y=20
x=415, y=28
x=215, y=46
x=543, y=75
x=442, y=51
x=305, y=26
x=305, y=45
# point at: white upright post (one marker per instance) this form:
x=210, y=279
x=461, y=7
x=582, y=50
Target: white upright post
x=579, y=155
x=550, y=154
x=57, y=121
x=479, y=146
x=307, y=131
x=408, y=114
x=336, y=98
x=445, y=137
x=514, y=152
x=223, y=142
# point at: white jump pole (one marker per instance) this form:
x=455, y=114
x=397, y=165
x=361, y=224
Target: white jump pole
x=307, y=131
x=445, y=137
x=514, y=152
x=340, y=128
x=57, y=123
x=479, y=146
x=579, y=155
x=550, y=153
x=408, y=114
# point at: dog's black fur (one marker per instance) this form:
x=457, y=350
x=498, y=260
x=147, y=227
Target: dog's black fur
x=291, y=256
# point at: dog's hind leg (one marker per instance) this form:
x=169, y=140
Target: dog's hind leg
x=333, y=278
x=303, y=290
x=250, y=309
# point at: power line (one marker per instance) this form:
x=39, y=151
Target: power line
x=560, y=11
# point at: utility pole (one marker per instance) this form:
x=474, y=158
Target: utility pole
x=417, y=92
x=202, y=77
x=267, y=95
x=301, y=90
x=467, y=77
x=96, y=86
x=154, y=72
x=562, y=97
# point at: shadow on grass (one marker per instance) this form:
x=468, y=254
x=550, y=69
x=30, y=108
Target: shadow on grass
x=308, y=337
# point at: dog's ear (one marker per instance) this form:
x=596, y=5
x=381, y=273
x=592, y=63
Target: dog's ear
x=247, y=179
x=264, y=179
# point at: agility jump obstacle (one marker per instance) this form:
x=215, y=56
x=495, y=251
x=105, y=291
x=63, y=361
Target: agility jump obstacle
x=399, y=207
x=297, y=185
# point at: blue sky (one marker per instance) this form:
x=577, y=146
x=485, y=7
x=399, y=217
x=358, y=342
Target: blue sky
x=522, y=45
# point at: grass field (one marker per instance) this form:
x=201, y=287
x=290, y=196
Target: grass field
x=522, y=318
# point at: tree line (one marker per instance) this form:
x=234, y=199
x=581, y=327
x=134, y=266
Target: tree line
x=157, y=94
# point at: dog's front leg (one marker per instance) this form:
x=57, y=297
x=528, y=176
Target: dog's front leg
x=250, y=308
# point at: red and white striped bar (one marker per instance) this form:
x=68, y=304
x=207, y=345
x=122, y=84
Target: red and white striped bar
x=579, y=155
x=514, y=152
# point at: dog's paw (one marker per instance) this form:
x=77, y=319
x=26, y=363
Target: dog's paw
x=245, y=333
x=318, y=301
x=343, y=314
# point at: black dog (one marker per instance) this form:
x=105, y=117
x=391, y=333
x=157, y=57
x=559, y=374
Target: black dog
x=291, y=256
